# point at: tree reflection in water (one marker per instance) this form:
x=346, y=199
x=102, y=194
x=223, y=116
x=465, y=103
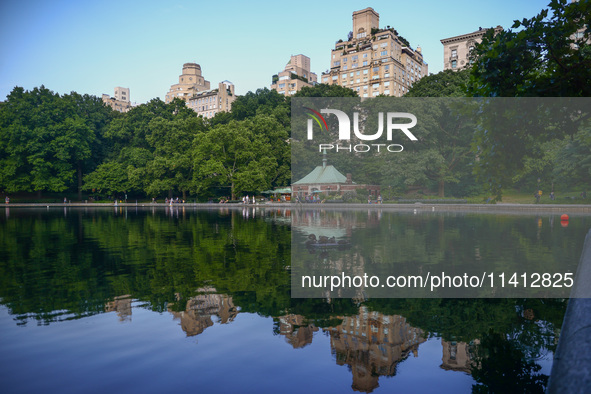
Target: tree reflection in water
x=206, y=267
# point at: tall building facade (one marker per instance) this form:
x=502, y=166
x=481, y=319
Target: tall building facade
x=195, y=90
x=190, y=82
x=374, y=61
x=122, y=94
x=209, y=102
x=121, y=100
x=295, y=76
x=456, y=50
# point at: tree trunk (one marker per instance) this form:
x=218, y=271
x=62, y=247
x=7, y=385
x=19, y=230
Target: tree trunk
x=232, y=192
x=79, y=182
x=184, y=195
x=441, y=192
x=169, y=194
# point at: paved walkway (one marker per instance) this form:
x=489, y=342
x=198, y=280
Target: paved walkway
x=422, y=207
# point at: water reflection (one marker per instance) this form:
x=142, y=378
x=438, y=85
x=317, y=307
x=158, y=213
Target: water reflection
x=372, y=344
x=122, y=306
x=477, y=250
x=204, y=269
x=201, y=309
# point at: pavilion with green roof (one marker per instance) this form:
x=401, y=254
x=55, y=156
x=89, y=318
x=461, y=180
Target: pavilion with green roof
x=325, y=179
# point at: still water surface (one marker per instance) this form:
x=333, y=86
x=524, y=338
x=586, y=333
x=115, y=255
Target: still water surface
x=156, y=300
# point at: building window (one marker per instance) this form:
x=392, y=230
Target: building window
x=354, y=58
x=383, y=53
x=344, y=60
x=365, y=71
x=454, y=53
x=376, y=70
x=365, y=63
x=337, y=63
x=344, y=68
x=454, y=63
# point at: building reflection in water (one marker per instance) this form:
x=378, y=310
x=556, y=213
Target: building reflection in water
x=370, y=343
x=296, y=331
x=458, y=356
x=200, y=309
x=122, y=306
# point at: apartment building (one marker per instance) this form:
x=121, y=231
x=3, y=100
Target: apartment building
x=121, y=100
x=295, y=76
x=190, y=82
x=209, y=102
x=456, y=50
x=375, y=61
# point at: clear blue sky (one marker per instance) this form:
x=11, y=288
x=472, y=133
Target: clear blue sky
x=93, y=46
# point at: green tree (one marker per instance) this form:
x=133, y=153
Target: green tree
x=263, y=101
x=47, y=141
x=448, y=133
x=446, y=83
x=171, y=166
x=550, y=56
x=149, y=147
x=325, y=90
x=246, y=156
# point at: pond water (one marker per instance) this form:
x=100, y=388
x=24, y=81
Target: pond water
x=161, y=299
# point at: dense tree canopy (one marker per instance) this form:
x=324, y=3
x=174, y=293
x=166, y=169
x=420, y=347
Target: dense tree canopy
x=47, y=142
x=446, y=83
x=548, y=55
x=51, y=143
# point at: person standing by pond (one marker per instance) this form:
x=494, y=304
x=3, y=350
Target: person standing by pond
x=7, y=200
